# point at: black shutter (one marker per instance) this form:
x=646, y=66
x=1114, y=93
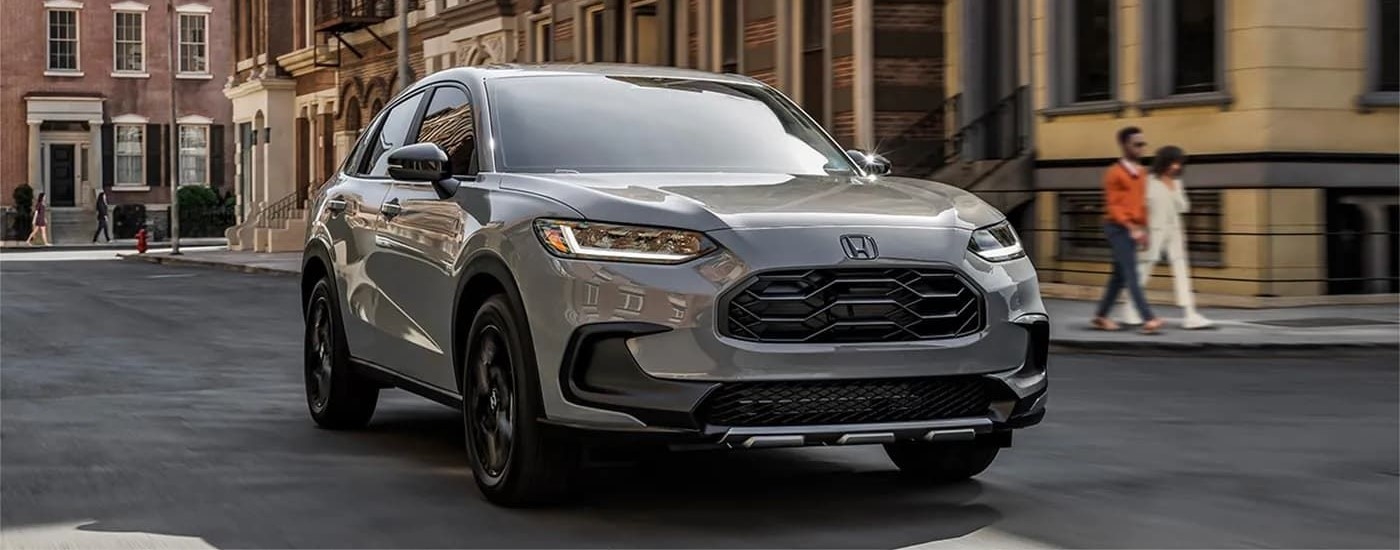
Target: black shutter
x=216, y=157
x=154, y=146
x=109, y=163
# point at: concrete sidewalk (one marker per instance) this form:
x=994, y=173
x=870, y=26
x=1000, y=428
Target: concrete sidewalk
x=115, y=245
x=1313, y=327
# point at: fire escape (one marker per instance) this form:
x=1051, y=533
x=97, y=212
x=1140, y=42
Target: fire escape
x=335, y=18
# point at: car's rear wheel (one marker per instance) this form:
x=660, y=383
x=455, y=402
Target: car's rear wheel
x=514, y=461
x=942, y=462
x=339, y=397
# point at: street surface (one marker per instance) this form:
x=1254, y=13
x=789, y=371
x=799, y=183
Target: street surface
x=162, y=406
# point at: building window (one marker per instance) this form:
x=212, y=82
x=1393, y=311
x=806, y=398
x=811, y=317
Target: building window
x=1389, y=54
x=194, y=42
x=593, y=33
x=1183, y=54
x=650, y=29
x=130, y=152
x=1081, y=227
x=544, y=40
x=63, y=40
x=194, y=155
x=815, y=14
x=1093, y=50
x=1194, y=47
x=129, y=36
x=730, y=35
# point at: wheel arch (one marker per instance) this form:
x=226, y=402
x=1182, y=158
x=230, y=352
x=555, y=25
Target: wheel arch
x=486, y=275
x=315, y=264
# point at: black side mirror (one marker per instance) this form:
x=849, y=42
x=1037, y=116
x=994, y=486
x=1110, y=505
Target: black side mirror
x=876, y=165
x=424, y=162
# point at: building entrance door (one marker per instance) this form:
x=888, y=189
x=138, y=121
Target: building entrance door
x=62, y=175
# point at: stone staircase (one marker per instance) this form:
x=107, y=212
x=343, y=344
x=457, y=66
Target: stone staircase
x=276, y=227
x=73, y=225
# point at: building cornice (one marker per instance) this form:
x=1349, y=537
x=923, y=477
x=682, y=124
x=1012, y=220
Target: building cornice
x=261, y=85
x=300, y=62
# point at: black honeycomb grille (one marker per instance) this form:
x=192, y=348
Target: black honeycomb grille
x=853, y=306
x=846, y=401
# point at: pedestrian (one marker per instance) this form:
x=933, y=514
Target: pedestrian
x=40, y=221
x=1166, y=202
x=1125, y=227
x=102, y=219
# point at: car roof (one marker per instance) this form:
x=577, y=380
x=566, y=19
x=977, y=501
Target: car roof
x=492, y=72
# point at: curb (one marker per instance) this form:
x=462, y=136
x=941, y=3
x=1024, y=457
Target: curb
x=172, y=260
x=1096, y=346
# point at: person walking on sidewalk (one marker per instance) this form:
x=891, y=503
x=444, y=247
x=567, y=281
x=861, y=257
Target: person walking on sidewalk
x=102, y=219
x=40, y=221
x=1166, y=202
x=1125, y=228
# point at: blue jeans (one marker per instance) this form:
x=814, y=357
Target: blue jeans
x=1120, y=242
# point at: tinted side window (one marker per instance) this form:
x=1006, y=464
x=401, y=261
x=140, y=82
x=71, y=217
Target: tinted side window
x=393, y=133
x=450, y=123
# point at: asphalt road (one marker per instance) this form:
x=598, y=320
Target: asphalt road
x=158, y=406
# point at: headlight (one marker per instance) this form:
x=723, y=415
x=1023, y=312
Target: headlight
x=996, y=243
x=627, y=243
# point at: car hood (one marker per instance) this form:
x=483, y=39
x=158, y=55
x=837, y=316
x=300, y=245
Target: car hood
x=712, y=201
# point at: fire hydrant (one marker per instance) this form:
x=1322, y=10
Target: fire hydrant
x=141, y=241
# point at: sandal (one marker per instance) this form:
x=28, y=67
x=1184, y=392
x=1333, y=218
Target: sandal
x=1152, y=327
x=1104, y=323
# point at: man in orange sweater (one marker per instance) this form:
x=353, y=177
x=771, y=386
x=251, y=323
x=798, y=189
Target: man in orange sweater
x=1125, y=225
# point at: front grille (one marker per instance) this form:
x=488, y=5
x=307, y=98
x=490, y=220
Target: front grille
x=853, y=305
x=845, y=401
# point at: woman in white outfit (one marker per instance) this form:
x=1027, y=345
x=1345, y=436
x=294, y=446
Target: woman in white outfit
x=1166, y=202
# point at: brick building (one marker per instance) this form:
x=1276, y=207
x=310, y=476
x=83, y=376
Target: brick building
x=310, y=73
x=85, y=91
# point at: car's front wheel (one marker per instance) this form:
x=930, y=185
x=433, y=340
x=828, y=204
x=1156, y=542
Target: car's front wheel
x=514, y=461
x=339, y=397
x=942, y=462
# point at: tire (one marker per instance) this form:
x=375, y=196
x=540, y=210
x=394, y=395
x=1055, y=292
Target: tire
x=514, y=460
x=942, y=462
x=338, y=397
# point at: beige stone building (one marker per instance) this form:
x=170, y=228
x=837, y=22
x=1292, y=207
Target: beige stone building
x=1287, y=108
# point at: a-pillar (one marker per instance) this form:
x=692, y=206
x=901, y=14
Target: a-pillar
x=1378, y=251
x=36, y=164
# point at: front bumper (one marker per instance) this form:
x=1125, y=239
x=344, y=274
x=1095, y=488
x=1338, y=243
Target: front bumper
x=629, y=348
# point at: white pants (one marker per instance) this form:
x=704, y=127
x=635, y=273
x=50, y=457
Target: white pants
x=1171, y=243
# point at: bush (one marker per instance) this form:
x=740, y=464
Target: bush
x=203, y=213
x=24, y=211
x=127, y=220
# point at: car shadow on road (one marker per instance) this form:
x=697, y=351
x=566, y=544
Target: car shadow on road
x=834, y=497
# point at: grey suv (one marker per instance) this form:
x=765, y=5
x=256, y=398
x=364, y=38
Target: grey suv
x=655, y=256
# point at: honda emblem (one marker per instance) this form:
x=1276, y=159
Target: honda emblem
x=859, y=247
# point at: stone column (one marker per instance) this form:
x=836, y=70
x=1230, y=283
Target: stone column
x=1377, y=244
x=94, y=172
x=36, y=163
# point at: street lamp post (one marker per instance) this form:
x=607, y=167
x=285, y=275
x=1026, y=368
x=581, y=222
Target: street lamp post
x=174, y=161
x=405, y=71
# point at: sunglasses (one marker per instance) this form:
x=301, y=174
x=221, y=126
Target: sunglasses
x=1140, y=144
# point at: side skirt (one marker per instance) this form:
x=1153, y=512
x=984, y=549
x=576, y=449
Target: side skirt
x=387, y=377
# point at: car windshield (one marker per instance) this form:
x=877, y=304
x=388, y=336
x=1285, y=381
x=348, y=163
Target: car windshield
x=589, y=123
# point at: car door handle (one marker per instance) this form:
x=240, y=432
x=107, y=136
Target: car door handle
x=336, y=205
x=391, y=208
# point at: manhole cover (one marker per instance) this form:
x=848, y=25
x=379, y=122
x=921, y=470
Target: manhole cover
x=1320, y=322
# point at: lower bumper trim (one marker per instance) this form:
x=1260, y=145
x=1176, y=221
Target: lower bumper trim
x=856, y=434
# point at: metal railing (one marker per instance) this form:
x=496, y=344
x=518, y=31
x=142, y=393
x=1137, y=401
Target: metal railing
x=1001, y=132
x=275, y=215
x=329, y=12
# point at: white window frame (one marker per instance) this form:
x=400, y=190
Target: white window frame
x=585, y=33
x=118, y=11
x=63, y=7
x=195, y=122
x=117, y=154
x=181, y=70
x=539, y=39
